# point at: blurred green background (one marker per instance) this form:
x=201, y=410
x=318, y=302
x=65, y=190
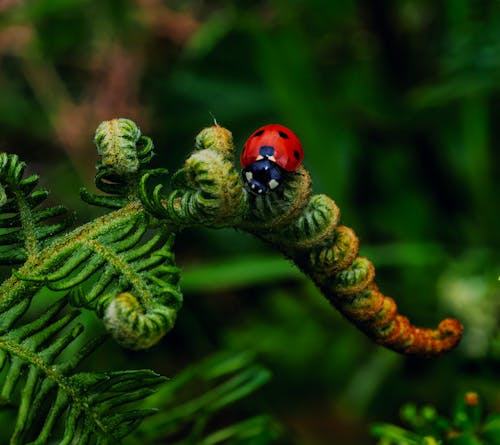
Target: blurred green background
x=396, y=104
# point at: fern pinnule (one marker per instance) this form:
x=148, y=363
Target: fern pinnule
x=23, y=227
x=127, y=264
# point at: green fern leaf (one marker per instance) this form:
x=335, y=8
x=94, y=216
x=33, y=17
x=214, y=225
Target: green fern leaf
x=51, y=397
x=114, y=267
x=23, y=231
x=189, y=403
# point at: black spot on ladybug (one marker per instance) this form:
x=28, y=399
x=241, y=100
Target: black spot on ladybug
x=296, y=154
x=258, y=133
x=266, y=151
x=283, y=134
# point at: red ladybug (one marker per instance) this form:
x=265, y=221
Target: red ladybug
x=269, y=152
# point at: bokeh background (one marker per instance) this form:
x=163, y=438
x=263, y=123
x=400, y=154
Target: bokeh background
x=396, y=104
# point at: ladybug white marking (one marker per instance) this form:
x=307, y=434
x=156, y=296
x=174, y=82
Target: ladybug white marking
x=249, y=176
x=273, y=184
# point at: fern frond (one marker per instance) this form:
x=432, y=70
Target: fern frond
x=24, y=230
x=108, y=257
x=304, y=227
x=210, y=192
x=190, y=400
x=124, y=153
x=121, y=261
x=49, y=394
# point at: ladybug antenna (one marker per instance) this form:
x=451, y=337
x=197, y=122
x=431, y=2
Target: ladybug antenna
x=213, y=117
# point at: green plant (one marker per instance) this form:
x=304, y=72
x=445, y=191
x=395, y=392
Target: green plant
x=465, y=426
x=187, y=405
x=121, y=266
x=304, y=227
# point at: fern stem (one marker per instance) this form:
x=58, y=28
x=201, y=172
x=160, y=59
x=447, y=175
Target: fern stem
x=28, y=224
x=25, y=355
x=126, y=271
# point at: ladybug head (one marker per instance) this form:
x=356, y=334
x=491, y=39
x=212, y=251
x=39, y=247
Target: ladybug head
x=262, y=176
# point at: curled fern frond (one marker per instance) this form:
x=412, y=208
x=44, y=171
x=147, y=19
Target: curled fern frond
x=347, y=280
x=24, y=227
x=124, y=151
x=134, y=326
x=305, y=228
x=49, y=394
x=328, y=254
x=211, y=193
x=215, y=196
x=116, y=142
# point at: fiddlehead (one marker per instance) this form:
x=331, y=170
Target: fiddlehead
x=210, y=191
x=116, y=144
x=124, y=152
x=305, y=228
x=134, y=327
x=328, y=254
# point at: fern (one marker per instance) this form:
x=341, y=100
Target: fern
x=22, y=229
x=121, y=266
x=90, y=406
x=304, y=227
x=116, y=265
x=113, y=266
x=109, y=264
x=202, y=392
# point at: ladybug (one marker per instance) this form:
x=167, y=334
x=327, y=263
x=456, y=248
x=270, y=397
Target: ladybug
x=269, y=153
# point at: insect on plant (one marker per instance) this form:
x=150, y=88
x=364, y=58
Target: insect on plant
x=121, y=266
